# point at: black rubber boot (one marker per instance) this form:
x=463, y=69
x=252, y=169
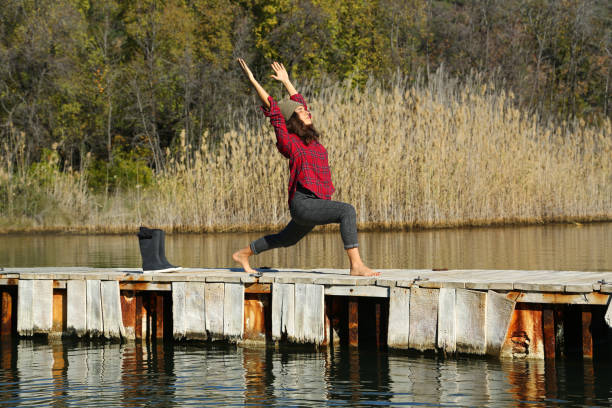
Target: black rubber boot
x=150, y=242
x=160, y=235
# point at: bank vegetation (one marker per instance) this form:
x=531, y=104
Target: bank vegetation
x=406, y=152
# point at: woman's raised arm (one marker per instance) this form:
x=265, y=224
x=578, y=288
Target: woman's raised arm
x=283, y=77
x=263, y=95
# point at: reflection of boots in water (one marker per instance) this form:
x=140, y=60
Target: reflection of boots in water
x=152, y=251
x=161, y=237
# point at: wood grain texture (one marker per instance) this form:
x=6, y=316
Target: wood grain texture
x=283, y=311
x=24, y=307
x=214, y=300
x=195, y=311
x=112, y=319
x=76, y=313
x=95, y=325
x=233, y=311
x=423, y=318
x=447, y=339
x=498, y=314
x=471, y=321
x=399, y=312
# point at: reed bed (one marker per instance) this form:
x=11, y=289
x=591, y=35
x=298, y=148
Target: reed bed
x=406, y=154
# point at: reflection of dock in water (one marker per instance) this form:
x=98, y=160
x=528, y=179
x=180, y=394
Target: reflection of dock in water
x=521, y=314
x=75, y=373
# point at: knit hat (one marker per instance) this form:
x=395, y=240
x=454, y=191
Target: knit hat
x=287, y=107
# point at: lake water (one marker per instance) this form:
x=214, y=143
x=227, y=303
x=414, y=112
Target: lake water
x=76, y=374
x=70, y=373
x=586, y=247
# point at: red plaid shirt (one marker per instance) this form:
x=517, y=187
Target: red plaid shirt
x=307, y=163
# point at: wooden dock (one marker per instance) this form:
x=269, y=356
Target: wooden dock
x=505, y=313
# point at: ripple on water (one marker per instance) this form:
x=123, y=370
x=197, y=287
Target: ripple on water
x=85, y=374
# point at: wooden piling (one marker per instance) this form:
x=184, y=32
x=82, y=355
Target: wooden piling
x=548, y=327
x=256, y=317
x=525, y=338
x=59, y=312
x=587, y=337
x=128, y=313
x=8, y=306
x=353, y=322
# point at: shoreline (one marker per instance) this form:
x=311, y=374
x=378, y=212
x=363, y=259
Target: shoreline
x=362, y=227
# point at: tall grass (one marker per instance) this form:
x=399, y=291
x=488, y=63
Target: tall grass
x=429, y=154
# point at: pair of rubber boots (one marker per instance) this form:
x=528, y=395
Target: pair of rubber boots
x=153, y=251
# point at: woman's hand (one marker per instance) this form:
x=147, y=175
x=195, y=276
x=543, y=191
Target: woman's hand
x=263, y=95
x=280, y=71
x=246, y=70
x=282, y=76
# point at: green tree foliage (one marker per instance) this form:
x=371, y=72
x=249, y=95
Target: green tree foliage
x=131, y=76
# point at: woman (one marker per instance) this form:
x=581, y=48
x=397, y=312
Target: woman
x=310, y=185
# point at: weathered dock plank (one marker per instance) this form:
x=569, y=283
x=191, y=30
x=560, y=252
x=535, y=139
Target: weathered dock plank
x=195, y=311
x=24, y=307
x=314, y=315
x=76, y=308
x=233, y=311
x=214, y=301
x=34, y=307
x=471, y=321
x=283, y=311
x=423, y=320
x=399, y=313
x=112, y=320
x=447, y=339
x=95, y=324
x=498, y=314
x=364, y=291
x=179, y=321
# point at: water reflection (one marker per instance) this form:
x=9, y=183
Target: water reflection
x=137, y=375
x=556, y=247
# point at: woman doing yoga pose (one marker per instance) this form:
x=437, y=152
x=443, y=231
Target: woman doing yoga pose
x=310, y=184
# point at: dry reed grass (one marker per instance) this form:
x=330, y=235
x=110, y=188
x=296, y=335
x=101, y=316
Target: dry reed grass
x=439, y=154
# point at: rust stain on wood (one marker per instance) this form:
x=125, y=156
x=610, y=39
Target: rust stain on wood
x=254, y=317
x=59, y=311
x=128, y=311
x=6, y=312
x=593, y=298
x=525, y=337
x=140, y=310
x=548, y=319
x=159, y=315
x=258, y=288
x=145, y=286
x=353, y=322
x=587, y=335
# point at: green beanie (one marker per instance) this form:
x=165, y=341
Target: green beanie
x=287, y=107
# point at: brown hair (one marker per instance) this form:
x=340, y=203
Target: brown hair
x=305, y=132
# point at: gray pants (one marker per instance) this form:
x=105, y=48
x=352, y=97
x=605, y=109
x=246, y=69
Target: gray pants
x=307, y=211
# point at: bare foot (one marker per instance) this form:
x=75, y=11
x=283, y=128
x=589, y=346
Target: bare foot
x=362, y=270
x=242, y=257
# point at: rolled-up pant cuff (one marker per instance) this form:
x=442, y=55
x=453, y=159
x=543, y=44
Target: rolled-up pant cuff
x=351, y=246
x=252, y=246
